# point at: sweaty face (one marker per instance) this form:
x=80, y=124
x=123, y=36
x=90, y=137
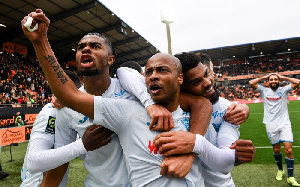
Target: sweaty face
x=162, y=79
x=93, y=56
x=274, y=82
x=198, y=81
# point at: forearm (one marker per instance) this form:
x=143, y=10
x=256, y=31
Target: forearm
x=220, y=160
x=294, y=81
x=253, y=83
x=41, y=159
x=132, y=81
x=200, y=110
x=54, y=177
x=52, y=70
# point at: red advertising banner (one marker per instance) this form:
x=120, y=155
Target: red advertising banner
x=13, y=47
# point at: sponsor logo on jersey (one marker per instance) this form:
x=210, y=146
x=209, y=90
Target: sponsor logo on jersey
x=50, y=125
x=186, y=123
x=152, y=148
x=83, y=120
x=217, y=114
x=273, y=98
x=119, y=94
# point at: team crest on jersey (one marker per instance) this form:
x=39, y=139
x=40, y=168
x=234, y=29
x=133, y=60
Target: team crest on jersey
x=119, y=94
x=279, y=93
x=216, y=126
x=50, y=125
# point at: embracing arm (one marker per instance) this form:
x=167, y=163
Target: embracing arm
x=42, y=158
x=61, y=85
x=200, y=110
x=221, y=160
x=237, y=113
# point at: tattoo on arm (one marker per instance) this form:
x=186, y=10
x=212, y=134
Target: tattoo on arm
x=57, y=69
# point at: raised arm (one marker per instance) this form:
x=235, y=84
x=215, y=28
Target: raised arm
x=254, y=83
x=63, y=88
x=295, y=82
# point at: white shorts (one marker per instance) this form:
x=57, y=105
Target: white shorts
x=279, y=133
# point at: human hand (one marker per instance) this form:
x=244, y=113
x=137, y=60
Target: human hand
x=55, y=103
x=38, y=18
x=237, y=114
x=175, y=142
x=177, y=166
x=95, y=137
x=244, y=150
x=161, y=118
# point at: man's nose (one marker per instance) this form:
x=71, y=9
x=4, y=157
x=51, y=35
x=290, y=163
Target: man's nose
x=154, y=76
x=86, y=49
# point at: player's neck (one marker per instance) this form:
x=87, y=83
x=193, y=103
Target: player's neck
x=96, y=85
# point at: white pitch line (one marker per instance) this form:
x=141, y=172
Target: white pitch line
x=269, y=147
x=289, y=112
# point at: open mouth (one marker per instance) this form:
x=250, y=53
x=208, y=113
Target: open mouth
x=154, y=88
x=86, y=61
x=210, y=91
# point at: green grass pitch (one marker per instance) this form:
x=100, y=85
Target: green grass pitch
x=261, y=172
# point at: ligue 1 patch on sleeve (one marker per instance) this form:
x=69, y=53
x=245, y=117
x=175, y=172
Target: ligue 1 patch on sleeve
x=50, y=125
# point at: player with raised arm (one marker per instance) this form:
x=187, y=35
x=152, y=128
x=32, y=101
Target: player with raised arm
x=39, y=39
x=277, y=121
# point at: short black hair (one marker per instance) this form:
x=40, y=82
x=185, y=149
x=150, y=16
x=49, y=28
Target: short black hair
x=272, y=75
x=113, y=52
x=74, y=77
x=132, y=65
x=188, y=60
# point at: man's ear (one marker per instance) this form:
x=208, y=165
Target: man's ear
x=111, y=59
x=180, y=79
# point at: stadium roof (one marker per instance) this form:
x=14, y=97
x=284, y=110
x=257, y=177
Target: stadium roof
x=70, y=20
x=249, y=50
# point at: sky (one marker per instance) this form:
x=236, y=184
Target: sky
x=208, y=24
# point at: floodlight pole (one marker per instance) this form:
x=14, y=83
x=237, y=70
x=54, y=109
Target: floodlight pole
x=167, y=20
x=168, y=36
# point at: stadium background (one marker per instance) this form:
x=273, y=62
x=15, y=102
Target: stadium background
x=71, y=19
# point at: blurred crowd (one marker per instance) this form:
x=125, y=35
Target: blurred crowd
x=22, y=82
x=281, y=63
x=245, y=92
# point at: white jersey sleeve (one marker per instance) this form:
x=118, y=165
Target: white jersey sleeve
x=221, y=160
x=227, y=135
x=132, y=81
x=41, y=138
x=41, y=158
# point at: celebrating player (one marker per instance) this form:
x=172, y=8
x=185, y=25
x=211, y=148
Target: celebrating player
x=277, y=121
